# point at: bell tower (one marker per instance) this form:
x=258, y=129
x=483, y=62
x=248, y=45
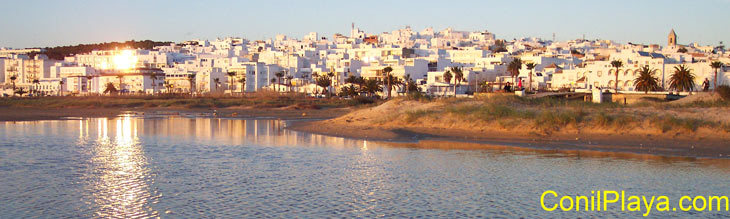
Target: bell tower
x=672, y=39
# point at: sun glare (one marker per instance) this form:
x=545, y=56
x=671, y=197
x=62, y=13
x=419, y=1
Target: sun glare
x=125, y=60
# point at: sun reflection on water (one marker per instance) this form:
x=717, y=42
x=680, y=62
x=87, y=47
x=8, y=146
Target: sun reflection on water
x=216, y=167
x=122, y=186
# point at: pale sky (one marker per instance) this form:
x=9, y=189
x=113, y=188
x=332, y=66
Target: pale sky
x=36, y=23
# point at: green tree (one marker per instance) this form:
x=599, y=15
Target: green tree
x=278, y=75
x=458, y=76
x=617, y=64
x=231, y=76
x=36, y=82
x=371, y=86
x=20, y=91
x=324, y=82
x=716, y=65
x=348, y=91
x=242, y=81
x=168, y=87
x=682, y=80
x=110, y=89
x=646, y=81
x=530, y=66
x=386, y=76
x=12, y=80
x=514, y=68
x=60, y=87
x=353, y=80
x=408, y=83
x=447, y=76
x=288, y=81
x=216, y=81
x=499, y=46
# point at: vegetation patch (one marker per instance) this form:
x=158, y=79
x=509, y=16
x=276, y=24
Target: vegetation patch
x=724, y=92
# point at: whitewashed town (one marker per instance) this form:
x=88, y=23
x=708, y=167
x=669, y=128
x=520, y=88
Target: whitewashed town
x=434, y=62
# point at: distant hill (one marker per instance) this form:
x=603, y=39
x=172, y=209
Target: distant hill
x=59, y=52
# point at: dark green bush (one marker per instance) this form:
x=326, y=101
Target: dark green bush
x=724, y=92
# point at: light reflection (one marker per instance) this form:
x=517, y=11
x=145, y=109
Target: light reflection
x=122, y=189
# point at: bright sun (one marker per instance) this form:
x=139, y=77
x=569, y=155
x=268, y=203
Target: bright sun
x=125, y=60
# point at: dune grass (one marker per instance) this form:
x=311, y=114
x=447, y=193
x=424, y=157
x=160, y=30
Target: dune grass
x=549, y=115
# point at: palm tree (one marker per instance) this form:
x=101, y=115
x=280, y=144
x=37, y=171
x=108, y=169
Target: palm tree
x=447, y=77
x=110, y=89
x=514, y=68
x=288, y=81
x=716, y=65
x=682, y=79
x=530, y=66
x=360, y=81
x=616, y=64
x=371, y=86
x=395, y=82
x=60, y=87
x=348, y=91
x=36, y=82
x=387, y=71
x=408, y=81
x=458, y=76
x=20, y=91
x=12, y=80
x=191, y=80
x=645, y=81
x=217, y=82
x=230, y=80
x=242, y=81
x=324, y=82
x=168, y=87
x=279, y=75
x=352, y=79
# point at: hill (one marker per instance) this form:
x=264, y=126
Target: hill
x=59, y=52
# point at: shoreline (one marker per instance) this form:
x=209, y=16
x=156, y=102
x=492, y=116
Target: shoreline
x=323, y=122
x=15, y=114
x=475, y=140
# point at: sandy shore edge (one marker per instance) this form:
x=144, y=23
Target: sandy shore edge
x=585, y=141
x=34, y=114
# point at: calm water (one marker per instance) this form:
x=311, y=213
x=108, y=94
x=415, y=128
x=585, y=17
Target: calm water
x=208, y=167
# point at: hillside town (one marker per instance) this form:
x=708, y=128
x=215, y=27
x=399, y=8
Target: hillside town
x=439, y=63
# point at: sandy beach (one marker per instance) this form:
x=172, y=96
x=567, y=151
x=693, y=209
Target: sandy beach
x=644, y=137
x=688, y=131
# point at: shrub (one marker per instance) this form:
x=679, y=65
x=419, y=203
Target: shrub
x=418, y=96
x=360, y=100
x=724, y=92
x=412, y=116
x=667, y=123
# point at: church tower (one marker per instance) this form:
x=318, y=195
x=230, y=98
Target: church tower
x=672, y=39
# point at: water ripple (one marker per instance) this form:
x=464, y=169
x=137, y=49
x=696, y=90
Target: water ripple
x=204, y=167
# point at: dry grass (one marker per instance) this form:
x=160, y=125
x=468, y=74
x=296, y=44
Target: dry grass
x=548, y=115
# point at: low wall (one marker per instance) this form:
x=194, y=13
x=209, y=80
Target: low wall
x=636, y=98
x=490, y=95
